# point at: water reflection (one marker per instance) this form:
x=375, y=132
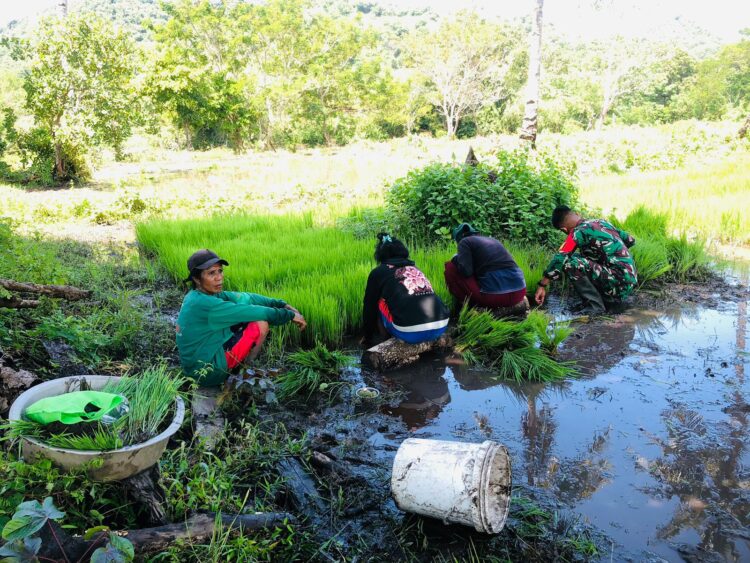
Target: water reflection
x=702, y=464
x=426, y=393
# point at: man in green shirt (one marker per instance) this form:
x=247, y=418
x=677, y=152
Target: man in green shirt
x=216, y=329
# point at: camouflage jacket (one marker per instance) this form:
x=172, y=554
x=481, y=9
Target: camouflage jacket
x=602, y=243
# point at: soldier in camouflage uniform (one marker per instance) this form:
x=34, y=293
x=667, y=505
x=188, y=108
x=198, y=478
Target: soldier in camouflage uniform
x=603, y=272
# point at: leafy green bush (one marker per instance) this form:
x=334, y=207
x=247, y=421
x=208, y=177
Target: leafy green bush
x=512, y=200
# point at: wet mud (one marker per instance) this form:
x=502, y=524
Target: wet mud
x=648, y=448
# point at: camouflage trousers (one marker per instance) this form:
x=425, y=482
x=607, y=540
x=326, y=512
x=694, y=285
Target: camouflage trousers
x=609, y=281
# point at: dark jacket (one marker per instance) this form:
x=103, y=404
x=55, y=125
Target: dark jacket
x=407, y=292
x=490, y=263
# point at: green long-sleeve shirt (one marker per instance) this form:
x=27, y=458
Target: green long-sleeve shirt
x=203, y=326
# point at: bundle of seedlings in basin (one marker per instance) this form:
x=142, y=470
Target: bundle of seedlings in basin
x=311, y=372
x=150, y=400
x=519, y=351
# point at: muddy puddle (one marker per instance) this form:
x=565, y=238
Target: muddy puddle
x=650, y=445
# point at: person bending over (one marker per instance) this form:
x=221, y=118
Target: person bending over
x=399, y=300
x=602, y=271
x=483, y=271
x=218, y=330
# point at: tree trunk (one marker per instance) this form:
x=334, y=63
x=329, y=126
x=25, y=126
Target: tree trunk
x=63, y=8
x=59, y=164
x=62, y=291
x=531, y=113
x=742, y=133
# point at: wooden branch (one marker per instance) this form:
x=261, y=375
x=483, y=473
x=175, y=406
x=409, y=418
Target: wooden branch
x=301, y=487
x=198, y=528
x=18, y=303
x=201, y=527
x=62, y=291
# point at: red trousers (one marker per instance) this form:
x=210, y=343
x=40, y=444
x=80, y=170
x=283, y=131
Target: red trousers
x=241, y=344
x=463, y=288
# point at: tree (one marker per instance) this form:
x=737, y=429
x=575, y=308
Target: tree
x=465, y=64
x=531, y=113
x=79, y=87
x=615, y=71
x=199, y=77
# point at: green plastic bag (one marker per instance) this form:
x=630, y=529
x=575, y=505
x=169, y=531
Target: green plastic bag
x=72, y=408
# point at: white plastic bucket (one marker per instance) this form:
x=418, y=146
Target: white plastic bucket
x=457, y=482
x=116, y=464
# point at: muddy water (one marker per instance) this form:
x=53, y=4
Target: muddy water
x=650, y=445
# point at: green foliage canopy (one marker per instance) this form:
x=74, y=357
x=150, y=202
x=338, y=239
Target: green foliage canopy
x=79, y=86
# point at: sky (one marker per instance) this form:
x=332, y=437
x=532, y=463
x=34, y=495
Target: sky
x=723, y=18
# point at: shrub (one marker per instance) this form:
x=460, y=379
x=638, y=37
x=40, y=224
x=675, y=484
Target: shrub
x=513, y=201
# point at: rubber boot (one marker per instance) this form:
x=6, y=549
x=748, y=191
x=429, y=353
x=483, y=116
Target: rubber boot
x=593, y=304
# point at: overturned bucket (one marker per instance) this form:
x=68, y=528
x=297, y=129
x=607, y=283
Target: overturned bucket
x=457, y=482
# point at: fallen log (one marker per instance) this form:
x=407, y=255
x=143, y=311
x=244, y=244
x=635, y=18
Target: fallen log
x=18, y=303
x=201, y=527
x=198, y=528
x=62, y=291
x=394, y=353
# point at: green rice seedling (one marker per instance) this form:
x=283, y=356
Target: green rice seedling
x=550, y=334
x=320, y=270
x=651, y=259
x=530, y=364
x=101, y=437
x=689, y=259
x=312, y=371
x=519, y=351
x=151, y=397
x=646, y=223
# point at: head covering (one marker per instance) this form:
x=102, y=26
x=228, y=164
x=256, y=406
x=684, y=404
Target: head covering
x=389, y=248
x=203, y=259
x=463, y=230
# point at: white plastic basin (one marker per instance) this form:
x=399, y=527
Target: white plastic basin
x=116, y=464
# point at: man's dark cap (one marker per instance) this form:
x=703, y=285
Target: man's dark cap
x=203, y=259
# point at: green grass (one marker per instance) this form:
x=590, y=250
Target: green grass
x=707, y=201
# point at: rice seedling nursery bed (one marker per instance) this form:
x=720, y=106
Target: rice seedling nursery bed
x=320, y=270
x=323, y=270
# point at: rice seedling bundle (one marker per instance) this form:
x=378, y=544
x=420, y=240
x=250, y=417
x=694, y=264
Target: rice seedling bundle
x=312, y=371
x=519, y=351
